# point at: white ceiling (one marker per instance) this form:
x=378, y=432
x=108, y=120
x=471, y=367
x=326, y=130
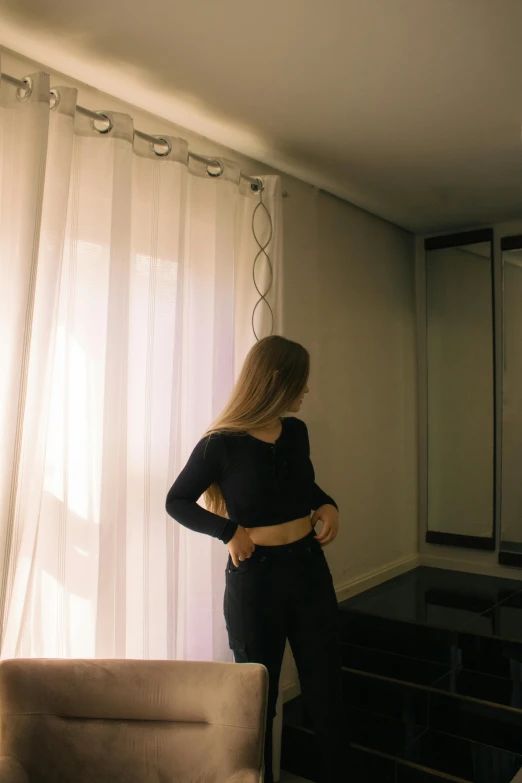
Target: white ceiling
x=411, y=109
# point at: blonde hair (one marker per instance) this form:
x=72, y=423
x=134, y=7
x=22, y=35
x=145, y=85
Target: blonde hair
x=274, y=374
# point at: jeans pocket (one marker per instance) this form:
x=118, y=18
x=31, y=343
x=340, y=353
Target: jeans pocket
x=244, y=566
x=233, y=611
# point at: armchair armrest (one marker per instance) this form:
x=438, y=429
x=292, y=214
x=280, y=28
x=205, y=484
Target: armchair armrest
x=11, y=771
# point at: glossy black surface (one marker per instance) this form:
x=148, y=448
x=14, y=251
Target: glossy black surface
x=447, y=600
x=386, y=698
x=505, y=690
x=502, y=621
x=392, y=665
x=294, y=714
x=433, y=645
x=456, y=620
x=502, y=691
x=463, y=759
x=367, y=767
x=432, y=682
x=299, y=754
x=407, y=774
x=490, y=655
x=370, y=733
x=477, y=721
x=391, y=745
x=383, y=734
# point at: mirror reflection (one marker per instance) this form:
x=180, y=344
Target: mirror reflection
x=511, y=518
x=461, y=404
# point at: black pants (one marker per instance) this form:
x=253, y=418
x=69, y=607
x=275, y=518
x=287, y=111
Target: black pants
x=287, y=592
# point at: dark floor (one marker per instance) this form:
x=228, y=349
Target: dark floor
x=485, y=605
x=433, y=681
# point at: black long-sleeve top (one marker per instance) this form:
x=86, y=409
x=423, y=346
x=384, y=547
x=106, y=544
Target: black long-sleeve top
x=263, y=484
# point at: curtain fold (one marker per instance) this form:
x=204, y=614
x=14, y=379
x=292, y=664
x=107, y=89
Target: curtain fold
x=127, y=298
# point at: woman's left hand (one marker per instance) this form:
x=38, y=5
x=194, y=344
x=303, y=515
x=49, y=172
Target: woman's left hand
x=329, y=516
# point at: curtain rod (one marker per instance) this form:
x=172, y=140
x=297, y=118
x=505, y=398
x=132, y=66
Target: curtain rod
x=255, y=183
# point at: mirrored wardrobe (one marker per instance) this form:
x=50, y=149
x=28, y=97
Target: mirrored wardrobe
x=460, y=360
x=511, y=480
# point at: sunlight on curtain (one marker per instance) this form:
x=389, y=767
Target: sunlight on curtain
x=127, y=297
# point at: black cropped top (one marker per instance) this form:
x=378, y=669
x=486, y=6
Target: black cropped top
x=263, y=484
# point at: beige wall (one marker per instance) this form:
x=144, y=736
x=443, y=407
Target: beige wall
x=349, y=296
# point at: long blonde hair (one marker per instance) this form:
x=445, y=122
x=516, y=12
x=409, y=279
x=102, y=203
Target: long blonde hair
x=274, y=374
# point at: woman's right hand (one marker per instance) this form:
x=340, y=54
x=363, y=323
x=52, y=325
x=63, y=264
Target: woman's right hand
x=240, y=546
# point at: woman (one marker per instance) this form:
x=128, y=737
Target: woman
x=254, y=468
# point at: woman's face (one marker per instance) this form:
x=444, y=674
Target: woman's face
x=295, y=407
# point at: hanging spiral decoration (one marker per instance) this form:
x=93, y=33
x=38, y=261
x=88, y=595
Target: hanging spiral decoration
x=261, y=209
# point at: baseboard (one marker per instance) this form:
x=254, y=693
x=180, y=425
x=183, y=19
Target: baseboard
x=376, y=577
x=481, y=565
x=291, y=689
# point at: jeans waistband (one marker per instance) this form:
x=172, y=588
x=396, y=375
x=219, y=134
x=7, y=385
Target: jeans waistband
x=286, y=551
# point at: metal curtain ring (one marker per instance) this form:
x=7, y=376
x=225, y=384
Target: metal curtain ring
x=55, y=99
x=166, y=142
x=216, y=164
x=103, y=117
x=23, y=93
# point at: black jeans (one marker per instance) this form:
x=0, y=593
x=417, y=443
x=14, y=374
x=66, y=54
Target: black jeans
x=287, y=592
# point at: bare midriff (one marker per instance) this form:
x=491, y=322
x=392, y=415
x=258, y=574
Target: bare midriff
x=279, y=535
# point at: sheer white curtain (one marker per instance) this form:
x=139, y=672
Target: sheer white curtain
x=126, y=302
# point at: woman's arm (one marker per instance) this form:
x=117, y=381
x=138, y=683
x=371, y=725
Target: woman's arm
x=324, y=507
x=319, y=497
x=205, y=467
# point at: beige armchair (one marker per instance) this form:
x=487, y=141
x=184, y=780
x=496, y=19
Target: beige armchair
x=110, y=721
